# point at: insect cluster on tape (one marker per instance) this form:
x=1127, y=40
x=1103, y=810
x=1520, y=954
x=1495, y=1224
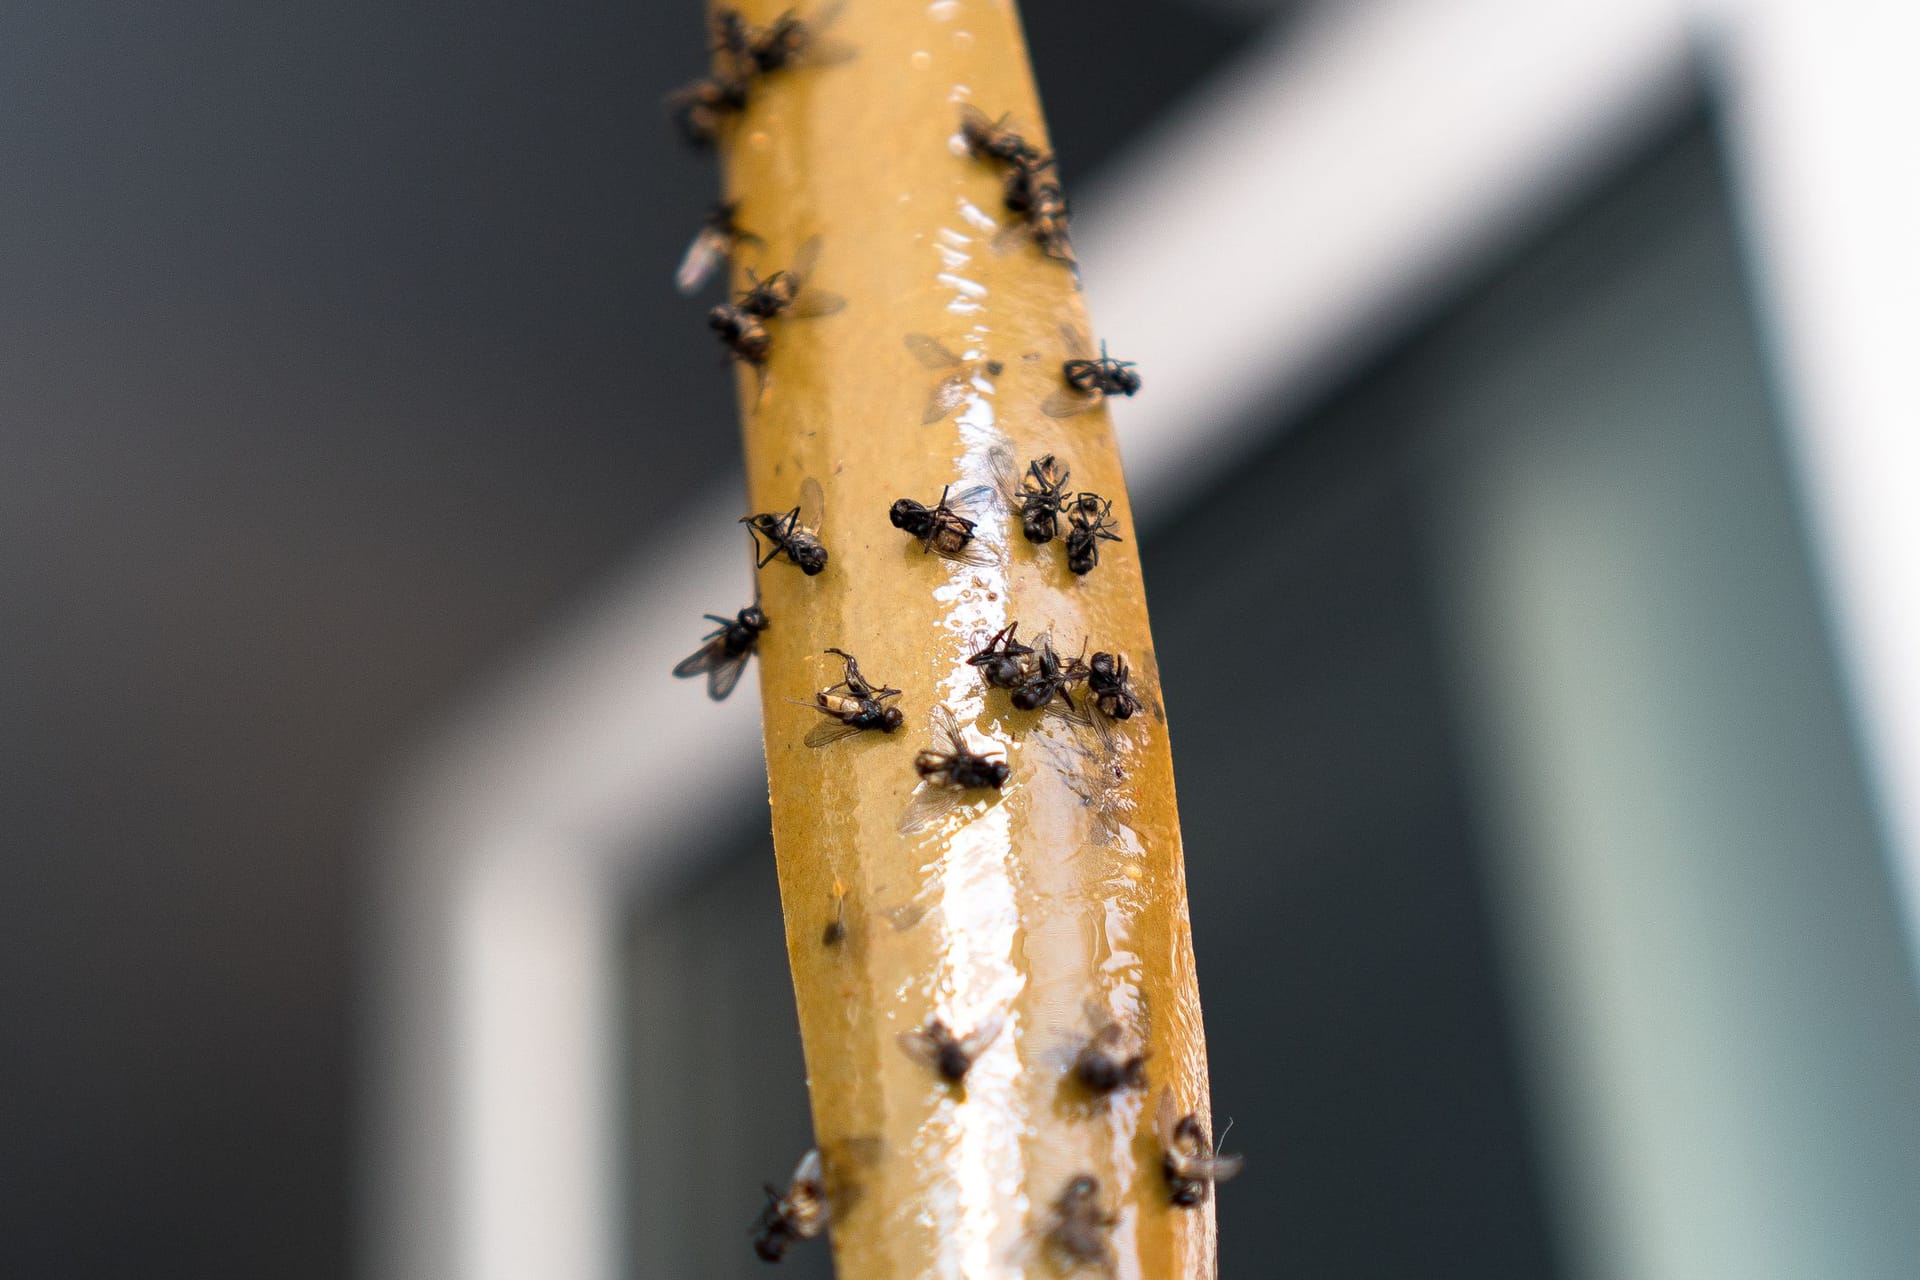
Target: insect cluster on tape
x=741, y=56
x=1040, y=498
x=1071, y=703
x=1030, y=184
x=742, y=323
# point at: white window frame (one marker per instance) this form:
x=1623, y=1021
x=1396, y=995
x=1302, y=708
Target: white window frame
x=1365, y=165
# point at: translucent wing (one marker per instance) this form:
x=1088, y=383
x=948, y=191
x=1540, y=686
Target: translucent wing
x=805, y=259
x=1105, y=1029
x=829, y=51
x=973, y=121
x=973, y=554
x=1010, y=236
x=921, y=1048
x=703, y=255
x=1075, y=342
x=946, y=397
x=971, y=500
x=975, y=1043
x=813, y=504
x=1068, y=401
x=828, y=14
x=828, y=732
x=931, y=352
x=845, y=1161
x=929, y=804
x=810, y=304
x=947, y=738
x=1165, y=1118
x=1104, y=726
x=1065, y=710
x=701, y=660
x=1218, y=1167
x=1006, y=480
x=808, y=1170
x=725, y=673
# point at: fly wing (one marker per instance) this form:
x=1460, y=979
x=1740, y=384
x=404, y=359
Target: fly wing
x=1164, y=1120
x=807, y=1173
x=813, y=505
x=1068, y=401
x=1219, y=1168
x=1010, y=236
x=973, y=123
x=946, y=397
x=810, y=304
x=701, y=660
x=828, y=732
x=1006, y=481
x=976, y=1042
x=947, y=738
x=930, y=351
x=805, y=259
x=973, y=554
x=703, y=255
x=829, y=51
x=975, y=498
x=930, y=803
x=1066, y=710
x=1104, y=726
x=1075, y=342
x=920, y=1047
x=725, y=673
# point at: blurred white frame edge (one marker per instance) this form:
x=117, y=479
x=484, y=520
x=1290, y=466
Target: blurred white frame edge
x=1406, y=143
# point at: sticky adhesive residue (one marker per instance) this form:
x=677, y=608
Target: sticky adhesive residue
x=973, y=881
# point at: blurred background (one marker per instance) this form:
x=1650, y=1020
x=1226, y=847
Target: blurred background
x=1546, y=864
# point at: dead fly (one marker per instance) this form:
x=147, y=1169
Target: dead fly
x=952, y=388
x=951, y=1056
x=948, y=770
x=836, y=931
x=1112, y=1059
x=792, y=41
x=1049, y=220
x=851, y=706
x=1046, y=683
x=1089, y=380
x=1191, y=1161
x=992, y=140
x=1090, y=522
x=1037, y=495
x=1026, y=179
x=718, y=237
x=785, y=293
x=1108, y=687
x=724, y=655
x=794, y=534
x=699, y=109
x=733, y=40
x=944, y=528
x=741, y=332
x=798, y=1213
x=1081, y=1227
x=1004, y=662
x=1044, y=216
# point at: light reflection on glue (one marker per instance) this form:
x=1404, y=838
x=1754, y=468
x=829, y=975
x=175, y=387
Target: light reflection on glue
x=978, y=1135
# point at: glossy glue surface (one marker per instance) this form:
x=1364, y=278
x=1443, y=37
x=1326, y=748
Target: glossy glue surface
x=1062, y=892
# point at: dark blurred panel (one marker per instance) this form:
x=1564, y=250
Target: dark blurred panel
x=337, y=359
x=1355, y=1013
x=717, y=1090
